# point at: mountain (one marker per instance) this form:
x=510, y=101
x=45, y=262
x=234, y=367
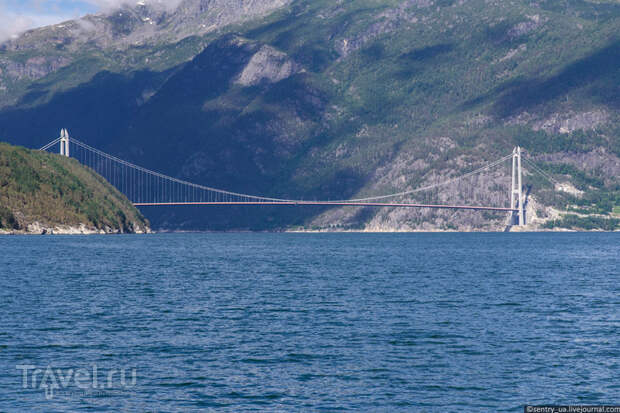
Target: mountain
x=334, y=99
x=142, y=35
x=46, y=193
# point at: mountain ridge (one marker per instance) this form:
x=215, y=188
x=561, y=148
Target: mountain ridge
x=323, y=99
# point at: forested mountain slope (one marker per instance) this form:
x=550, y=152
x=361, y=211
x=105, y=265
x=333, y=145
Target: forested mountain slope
x=335, y=99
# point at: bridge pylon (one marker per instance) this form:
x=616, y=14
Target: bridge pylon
x=516, y=193
x=64, y=142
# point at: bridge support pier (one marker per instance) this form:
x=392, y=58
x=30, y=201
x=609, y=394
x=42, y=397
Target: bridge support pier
x=64, y=143
x=517, y=186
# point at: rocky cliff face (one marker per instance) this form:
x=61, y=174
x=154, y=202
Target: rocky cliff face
x=267, y=65
x=335, y=99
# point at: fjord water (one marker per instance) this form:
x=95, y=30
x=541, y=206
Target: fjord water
x=311, y=322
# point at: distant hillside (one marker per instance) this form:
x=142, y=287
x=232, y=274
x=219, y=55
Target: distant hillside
x=47, y=193
x=338, y=99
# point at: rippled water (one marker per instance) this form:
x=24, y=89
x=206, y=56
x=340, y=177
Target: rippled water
x=309, y=322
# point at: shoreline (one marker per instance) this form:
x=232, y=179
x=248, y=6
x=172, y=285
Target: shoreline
x=82, y=229
x=89, y=231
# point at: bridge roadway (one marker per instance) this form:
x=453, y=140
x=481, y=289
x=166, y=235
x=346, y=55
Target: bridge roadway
x=328, y=203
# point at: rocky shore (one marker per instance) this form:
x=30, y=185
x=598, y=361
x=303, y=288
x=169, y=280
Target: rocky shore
x=38, y=229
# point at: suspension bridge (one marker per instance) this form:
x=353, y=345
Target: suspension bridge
x=145, y=188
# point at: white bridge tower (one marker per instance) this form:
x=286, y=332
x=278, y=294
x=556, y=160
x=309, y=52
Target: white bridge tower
x=64, y=142
x=517, y=186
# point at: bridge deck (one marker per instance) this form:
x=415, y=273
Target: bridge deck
x=329, y=203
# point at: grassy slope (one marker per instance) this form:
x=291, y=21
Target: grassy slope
x=52, y=190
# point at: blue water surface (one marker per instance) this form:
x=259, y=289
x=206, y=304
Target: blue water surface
x=309, y=322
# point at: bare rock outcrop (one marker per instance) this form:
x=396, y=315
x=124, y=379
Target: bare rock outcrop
x=267, y=65
x=386, y=22
x=484, y=189
x=37, y=228
x=35, y=67
x=597, y=160
x=569, y=122
x=562, y=122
